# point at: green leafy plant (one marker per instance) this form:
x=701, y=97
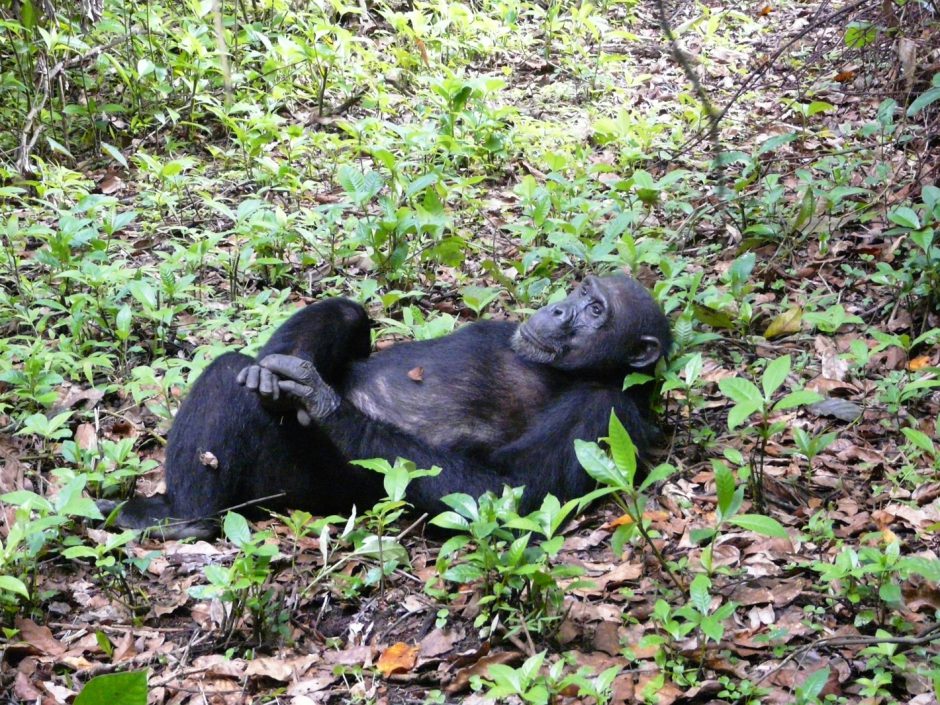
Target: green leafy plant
x=244, y=588
x=616, y=473
x=749, y=400
x=517, y=572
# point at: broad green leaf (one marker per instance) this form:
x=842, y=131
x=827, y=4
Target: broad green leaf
x=463, y=504
x=890, y=593
x=798, y=398
x=775, y=374
x=14, y=585
x=236, y=529
x=928, y=97
x=600, y=467
x=128, y=688
x=463, y=573
x=906, y=217
x=621, y=448
x=928, y=568
x=742, y=391
x=657, y=474
x=760, y=524
x=724, y=486
x=114, y=153
x=920, y=439
x=698, y=593
x=740, y=413
x=813, y=685
x=712, y=317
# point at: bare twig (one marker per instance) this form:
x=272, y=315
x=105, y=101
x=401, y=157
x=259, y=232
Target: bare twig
x=931, y=633
x=711, y=114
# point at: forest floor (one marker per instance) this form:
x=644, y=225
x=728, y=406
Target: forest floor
x=814, y=256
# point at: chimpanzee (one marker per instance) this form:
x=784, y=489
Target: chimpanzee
x=493, y=403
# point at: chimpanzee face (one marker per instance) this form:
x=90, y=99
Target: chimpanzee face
x=605, y=324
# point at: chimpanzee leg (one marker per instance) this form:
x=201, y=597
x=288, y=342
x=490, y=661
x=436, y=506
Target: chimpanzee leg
x=226, y=448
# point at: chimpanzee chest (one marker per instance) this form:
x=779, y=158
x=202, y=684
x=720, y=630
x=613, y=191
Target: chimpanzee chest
x=476, y=404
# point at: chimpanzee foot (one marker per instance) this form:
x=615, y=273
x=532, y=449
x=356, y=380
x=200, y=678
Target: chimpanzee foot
x=299, y=381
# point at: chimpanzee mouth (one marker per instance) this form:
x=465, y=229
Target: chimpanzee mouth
x=528, y=344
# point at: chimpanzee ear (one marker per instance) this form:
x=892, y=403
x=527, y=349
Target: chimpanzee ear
x=646, y=352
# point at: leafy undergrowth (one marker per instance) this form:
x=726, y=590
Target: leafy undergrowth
x=176, y=182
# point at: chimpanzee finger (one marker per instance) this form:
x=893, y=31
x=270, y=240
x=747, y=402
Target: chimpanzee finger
x=303, y=418
x=243, y=375
x=252, y=375
x=267, y=385
x=294, y=368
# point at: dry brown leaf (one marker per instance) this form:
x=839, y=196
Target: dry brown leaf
x=416, y=374
x=626, y=519
x=39, y=638
x=86, y=436
x=24, y=689
x=918, y=363
x=439, y=641
x=352, y=656
x=398, y=658
x=787, y=323
x=607, y=638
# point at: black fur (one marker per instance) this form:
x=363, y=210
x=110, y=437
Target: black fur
x=494, y=403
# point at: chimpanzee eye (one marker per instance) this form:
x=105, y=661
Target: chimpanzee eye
x=596, y=309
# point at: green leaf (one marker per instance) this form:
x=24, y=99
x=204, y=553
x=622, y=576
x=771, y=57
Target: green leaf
x=28, y=14
x=14, y=585
x=114, y=153
x=928, y=568
x=814, y=684
x=890, y=593
x=73, y=552
x=905, y=217
x=128, y=688
x=920, y=440
x=742, y=391
x=775, y=374
x=463, y=504
x=800, y=397
x=463, y=573
x=724, y=486
x=740, y=413
x=657, y=474
x=928, y=97
x=712, y=317
x=236, y=529
x=598, y=465
x=621, y=448
x=698, y=593
x=760, y=524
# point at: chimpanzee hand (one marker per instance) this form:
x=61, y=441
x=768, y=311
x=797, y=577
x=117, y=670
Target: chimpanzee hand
x=264, y=382
x=296, y=379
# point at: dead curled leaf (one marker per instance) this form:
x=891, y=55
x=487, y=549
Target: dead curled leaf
x=787, y=323
x=397, y=658
x=416, y=374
